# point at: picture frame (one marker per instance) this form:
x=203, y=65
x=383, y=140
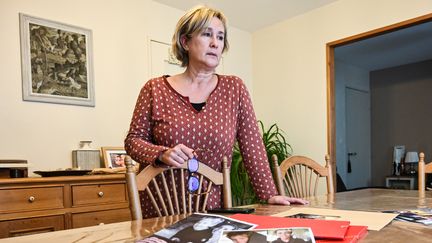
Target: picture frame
x=114, y=157
x=56, y=62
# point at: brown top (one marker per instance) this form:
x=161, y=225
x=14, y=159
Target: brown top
x=164, y=118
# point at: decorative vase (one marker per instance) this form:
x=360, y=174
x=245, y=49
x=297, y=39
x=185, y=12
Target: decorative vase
x=85, y=157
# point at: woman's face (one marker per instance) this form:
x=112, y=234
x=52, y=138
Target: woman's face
x=119, y=160
x=284, y=235
x=205, y=48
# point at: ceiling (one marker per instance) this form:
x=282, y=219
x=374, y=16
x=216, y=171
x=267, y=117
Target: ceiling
x=259, y=13
x=397, y=48
x=409, y=45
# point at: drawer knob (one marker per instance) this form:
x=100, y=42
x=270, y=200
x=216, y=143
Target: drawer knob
x=31, y=199
x=100, y=194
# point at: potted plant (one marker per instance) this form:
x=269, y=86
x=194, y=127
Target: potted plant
x=275, y=143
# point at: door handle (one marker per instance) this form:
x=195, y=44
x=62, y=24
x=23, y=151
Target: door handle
x=349, y=170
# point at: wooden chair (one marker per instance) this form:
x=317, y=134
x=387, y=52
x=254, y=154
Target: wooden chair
x=423, y=169
x=177, y=202
x=298, y=176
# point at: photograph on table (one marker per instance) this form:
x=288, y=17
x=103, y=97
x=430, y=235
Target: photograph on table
x=356, y=217
x=198, y=227
x=418, y=215
x=279, y=235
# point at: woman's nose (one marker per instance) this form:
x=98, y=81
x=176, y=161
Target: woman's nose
x=214, y=42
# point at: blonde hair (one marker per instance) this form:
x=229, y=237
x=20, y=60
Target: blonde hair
x=195, y=21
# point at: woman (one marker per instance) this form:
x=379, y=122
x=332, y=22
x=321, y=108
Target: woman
x=200, y=113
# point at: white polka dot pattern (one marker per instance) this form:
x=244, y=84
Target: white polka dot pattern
x=163, y=118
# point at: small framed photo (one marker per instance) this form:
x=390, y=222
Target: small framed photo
x=56, y=62
x=114, y=157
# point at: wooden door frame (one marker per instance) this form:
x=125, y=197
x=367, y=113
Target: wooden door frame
x=331, y=114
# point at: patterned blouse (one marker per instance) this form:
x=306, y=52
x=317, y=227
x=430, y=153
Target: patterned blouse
x=164, y=118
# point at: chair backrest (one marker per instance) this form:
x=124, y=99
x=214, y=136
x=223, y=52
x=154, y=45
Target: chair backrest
x=423, y=169
x=298, y=176
x=175, y=202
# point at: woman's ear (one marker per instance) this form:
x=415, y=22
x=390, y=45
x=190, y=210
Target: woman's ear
x=183, y=41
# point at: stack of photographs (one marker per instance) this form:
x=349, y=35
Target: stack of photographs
x=211, y=228
x=421, y=215
x=197, y=228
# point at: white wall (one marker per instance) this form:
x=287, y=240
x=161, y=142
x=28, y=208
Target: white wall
x=45, y=134
x=288, y=59
x=289, y=64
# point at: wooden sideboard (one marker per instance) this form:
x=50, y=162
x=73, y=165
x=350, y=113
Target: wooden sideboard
x=36, y=205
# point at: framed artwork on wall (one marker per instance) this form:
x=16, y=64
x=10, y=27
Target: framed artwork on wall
x=57, y=63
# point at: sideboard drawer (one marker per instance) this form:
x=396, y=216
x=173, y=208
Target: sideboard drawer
x=36, y=205
x=19, y=227
x=98, y=217
x=30, y=198
x=98, y=193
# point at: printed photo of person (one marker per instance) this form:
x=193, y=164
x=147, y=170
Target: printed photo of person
x=117, y=160
x=291, y=235
x=245, y=236
x=197, y=228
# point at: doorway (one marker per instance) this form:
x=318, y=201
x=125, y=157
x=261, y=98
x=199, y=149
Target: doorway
x=337, y=150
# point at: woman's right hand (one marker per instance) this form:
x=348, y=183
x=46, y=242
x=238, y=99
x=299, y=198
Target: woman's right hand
x=177, y=155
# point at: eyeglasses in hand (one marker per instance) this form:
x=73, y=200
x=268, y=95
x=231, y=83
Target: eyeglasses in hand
x=193, y=182
x=193, y=165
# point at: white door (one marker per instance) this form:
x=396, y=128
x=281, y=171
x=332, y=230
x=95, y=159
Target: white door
x=358, y=138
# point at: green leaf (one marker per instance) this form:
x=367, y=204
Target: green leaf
x=275, y=143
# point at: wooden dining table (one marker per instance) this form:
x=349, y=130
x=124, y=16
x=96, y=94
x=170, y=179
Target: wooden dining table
x=363, y=200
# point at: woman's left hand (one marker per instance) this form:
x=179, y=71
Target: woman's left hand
x=284, y=200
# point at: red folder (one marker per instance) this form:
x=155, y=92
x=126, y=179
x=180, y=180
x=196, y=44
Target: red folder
x=327, y=229
x=353, y=234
